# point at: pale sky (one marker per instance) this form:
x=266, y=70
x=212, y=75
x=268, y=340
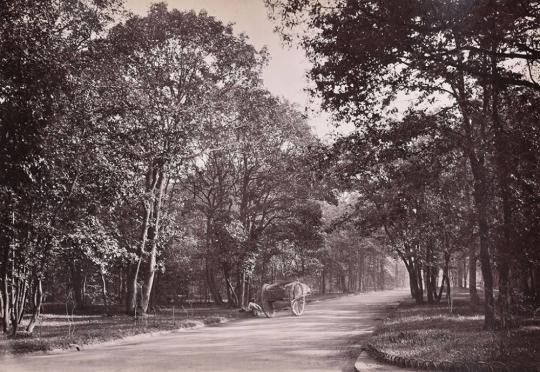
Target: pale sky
x=285, y=74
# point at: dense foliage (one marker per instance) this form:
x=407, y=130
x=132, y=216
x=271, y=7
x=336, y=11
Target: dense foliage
x=455, y=173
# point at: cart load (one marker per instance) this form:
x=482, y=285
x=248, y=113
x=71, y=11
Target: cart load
x=282, y=295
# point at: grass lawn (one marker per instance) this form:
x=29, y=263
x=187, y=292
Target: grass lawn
x=433, y=333
x=57, y=330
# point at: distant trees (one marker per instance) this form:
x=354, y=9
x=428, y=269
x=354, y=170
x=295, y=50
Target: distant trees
x=462, y=59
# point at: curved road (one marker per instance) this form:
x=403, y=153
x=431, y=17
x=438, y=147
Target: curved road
x=327, y=337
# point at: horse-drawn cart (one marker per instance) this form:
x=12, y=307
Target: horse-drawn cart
x=282, y=295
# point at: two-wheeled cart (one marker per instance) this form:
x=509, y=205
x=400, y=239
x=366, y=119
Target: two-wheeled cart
x=291, y=294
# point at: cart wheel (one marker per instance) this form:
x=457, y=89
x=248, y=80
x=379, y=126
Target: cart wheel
x=298, y=302
x=267, y=306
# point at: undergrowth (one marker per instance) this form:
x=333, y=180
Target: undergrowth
x=443, y=333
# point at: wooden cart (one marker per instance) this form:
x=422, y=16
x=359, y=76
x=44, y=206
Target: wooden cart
x=282, y=295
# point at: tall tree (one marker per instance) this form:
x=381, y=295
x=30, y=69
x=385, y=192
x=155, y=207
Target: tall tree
x=179, y=67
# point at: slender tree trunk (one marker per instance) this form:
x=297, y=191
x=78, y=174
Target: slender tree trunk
x=382, y=273
x=121, y=290
x=38, y=300
x=504, y=258
x=5, y=286
x=104, y=292
x=22, y=299
x=460, y=273
x=473, y=293
x=1, y=301
x=243, y=289
x=233, y=298
x=361, y=272
x=429, y=284
x=480, y=197
x=465, y=271
x=155, y=230
x=420, y=293
x=323, y=281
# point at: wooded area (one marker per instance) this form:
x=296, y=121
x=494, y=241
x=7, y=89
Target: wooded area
x=456, y=174
x=143, y=162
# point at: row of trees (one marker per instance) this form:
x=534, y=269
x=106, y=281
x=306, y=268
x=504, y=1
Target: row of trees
x=143, y=160
x=456, y=174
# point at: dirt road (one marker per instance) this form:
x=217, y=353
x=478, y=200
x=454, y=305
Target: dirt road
x=326, y=338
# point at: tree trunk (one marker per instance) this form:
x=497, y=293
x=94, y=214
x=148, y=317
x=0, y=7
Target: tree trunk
x=243, y=289
x=415, y=278
x=211, y=283
x=5, y=286
x=233, y=298
x=382, y=270
x=420, y=293
x=460, y=273
x=361, y=272
x=22, y=299
x=343, y=282
x=38, y=300
x=536, y=283
x=77, y=284
x=1, y=302
x=473, y=293
x=476, y=155
x=502, y=156
x=480, y=197
x=323, y=281
x=153, y=237
x=121, y=288
x=132, y=287
x=104, y=292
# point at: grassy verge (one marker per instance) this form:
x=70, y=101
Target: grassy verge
x=61, y=331
x=57, y=330
x=434, y=333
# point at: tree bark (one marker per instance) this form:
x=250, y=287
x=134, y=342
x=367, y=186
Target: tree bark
x=5, y=286
x=77, y=284
x=473, y=293
x=211, y=283
x=243, y=289
x=132, y=287
x=153, y=237
x=104, y=292
x=473, y=147
x=233, y=298
x=1, y=302
x=323, y=281
x=480, y=197
x=38, y=300
x=504, y=258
